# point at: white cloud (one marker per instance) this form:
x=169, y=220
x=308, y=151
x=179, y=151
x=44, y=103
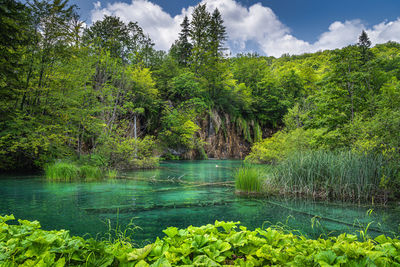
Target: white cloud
x=255, y=27
x=162, y=28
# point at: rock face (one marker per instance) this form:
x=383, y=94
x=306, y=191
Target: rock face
x=224, y=141
x=222, y=138
x=225, y=138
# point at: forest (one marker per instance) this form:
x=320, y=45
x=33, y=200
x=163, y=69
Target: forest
x=103, y=96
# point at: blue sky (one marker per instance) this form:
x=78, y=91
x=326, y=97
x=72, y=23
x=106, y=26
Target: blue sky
x=285, y=26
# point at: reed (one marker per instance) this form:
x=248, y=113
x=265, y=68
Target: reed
x=112, y=174
x=62, y=171
x=67, y=171
x=90, y=172
x=338, y=175
x=247, y=179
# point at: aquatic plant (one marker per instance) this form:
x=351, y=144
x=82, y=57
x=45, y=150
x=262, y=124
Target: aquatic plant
x=90, y=172
x=247, y=179
x=221, y=243
x=68, y=171
x=112, y=174
x=62, y=171
x=342, y=175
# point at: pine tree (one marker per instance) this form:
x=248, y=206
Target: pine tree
x=364, y=44
x=184, y=46
x=199, y=34
x=217, y=34
x=199, y=26
x=363, y=40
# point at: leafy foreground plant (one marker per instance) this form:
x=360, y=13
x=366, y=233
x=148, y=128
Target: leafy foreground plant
x=224, y=243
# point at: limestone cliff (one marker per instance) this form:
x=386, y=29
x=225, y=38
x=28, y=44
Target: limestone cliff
x=223, y=137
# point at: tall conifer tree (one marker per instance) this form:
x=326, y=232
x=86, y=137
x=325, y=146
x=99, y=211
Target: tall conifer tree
x=217, y=34
x=364, y=43
x=199, y=34
x=182, y=47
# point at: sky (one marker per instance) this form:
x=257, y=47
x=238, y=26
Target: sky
x=267, y=27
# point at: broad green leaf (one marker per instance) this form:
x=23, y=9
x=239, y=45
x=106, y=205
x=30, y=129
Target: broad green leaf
x=326, y=257
x=161, y=262
x=141, y=253
x=171, y=231
x=203, y=260
x=199, y=241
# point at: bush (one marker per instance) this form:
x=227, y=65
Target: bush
x=222, y=243
x=280, y=145
x=129, y=153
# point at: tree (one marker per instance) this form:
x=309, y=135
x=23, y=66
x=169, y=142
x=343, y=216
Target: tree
x=120, y=39
x=110, y=34
x=183, y=46
x=364, y=44
x=217, y=34
x=14, y=25
x=199, y=34
x=50, y=40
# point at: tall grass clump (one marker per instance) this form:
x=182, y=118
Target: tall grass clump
x=62, y=171
x=90, y=172
x=112, y=174
x=247, y=179
x=342, y=175
x=68, y=171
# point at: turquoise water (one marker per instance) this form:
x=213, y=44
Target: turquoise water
x=178, y=194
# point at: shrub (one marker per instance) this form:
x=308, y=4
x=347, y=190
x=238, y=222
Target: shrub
x=280, y=145
x=129, y=153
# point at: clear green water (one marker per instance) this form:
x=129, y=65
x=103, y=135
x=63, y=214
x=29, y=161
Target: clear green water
x=155, y=201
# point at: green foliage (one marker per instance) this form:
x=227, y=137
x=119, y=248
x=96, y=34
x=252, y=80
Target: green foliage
x=112, y=174
x=122, y=40
x=129, y=153
x=248, y=180
x=69, y=171
x=62, y=171
x=280, y=145
x=244, y=127
x=90, y=172
x=341, y=175
x=222, y=243
x=184, y=87
x=65, y=94
x=380, y=133
x=179, y=126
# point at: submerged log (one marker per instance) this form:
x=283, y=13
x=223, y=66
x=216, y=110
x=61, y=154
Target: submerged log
x=142, y=208
x=323, y=217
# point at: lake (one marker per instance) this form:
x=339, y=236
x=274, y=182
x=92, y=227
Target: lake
x=180, y=194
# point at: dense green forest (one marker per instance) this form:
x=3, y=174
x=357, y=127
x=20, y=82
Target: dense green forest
x=105, y=96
